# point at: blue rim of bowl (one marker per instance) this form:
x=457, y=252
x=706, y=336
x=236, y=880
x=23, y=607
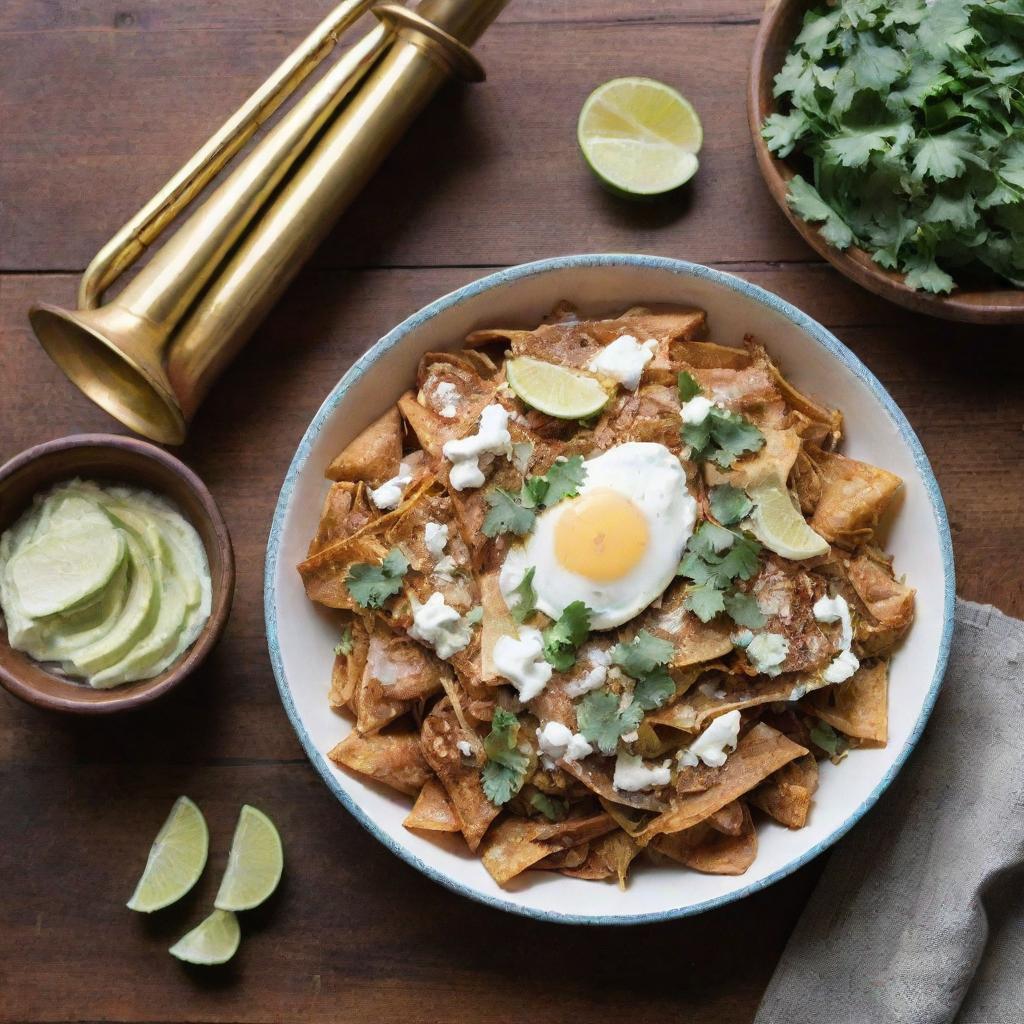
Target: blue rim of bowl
x=823, y=337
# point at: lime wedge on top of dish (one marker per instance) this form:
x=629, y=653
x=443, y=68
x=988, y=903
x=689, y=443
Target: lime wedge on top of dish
x=176, y=859
x=213, y=941
x=639, y=136
x=255, y=863
x=555, y=390
x=779, y=525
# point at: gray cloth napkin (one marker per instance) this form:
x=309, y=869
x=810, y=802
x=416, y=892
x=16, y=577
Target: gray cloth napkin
x=919, y=915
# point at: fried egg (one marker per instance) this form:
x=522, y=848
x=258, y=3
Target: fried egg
x=617, y=545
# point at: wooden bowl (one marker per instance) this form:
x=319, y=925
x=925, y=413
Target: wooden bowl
x=779, y=27
x=113, y=459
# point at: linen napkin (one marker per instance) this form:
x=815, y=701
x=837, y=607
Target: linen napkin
x=919, y=915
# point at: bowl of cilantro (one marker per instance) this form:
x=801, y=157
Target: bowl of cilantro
x=892, y=137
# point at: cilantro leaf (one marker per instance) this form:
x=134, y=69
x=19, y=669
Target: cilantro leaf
x=372, y=585
x=644, y=653
x=734, y=436
x=506, y=515
x=688, y=386
x=729, y=504
x=505, y=769
x=562, y=638
x=824, y=736
x=705, y=601
x=654, y=689
x=741, y=560
x=743, y=610
x=344, y=645
x=564, y=479
x=526, y=597
x=602, y=721
x=552, y=807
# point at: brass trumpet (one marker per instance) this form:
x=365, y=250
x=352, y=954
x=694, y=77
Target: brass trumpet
x=149, y=355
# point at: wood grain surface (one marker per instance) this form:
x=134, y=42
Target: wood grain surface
x=98, y=102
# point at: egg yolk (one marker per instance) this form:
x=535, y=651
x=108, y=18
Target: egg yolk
x=601, y=535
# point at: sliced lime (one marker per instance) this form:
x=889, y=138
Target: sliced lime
x=255, y=863
x=555, y=390
x=212, y=941
x=640, y=137
x=176, y=859
x=780, y=526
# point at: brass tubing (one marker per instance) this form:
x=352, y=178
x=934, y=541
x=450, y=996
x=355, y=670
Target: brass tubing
x=139, y=233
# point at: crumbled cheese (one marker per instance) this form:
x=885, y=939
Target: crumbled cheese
x=492, y=438
x=711, y=691
x=696, y=410
x=632, y=775
x=522, y=662
x=465, y=748
x=522, y=452
x=593, y=680
x=742, y=638
x=435, y=537
x=557, y=741
x=389, y=494
x=446, y=567
x=439, y=625
x=845, y=663
x=624, y=360
x=712, y=746
x=449, y=394
x=767, y=651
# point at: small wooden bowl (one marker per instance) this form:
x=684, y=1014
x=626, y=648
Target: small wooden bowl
x=780, y=24
x=113, y=459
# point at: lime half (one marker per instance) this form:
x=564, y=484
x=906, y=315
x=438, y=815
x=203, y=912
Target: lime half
x=213, y=941
x=255, y=863
x=640, y=137
x=176, y=859
x=780, y=526
x=555, y=390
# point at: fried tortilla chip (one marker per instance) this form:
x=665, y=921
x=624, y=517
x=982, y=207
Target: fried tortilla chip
x=786, y=795
x=774, y=461
x=496, y=623
x=707, y=355
x=728, y=819
x=760, y=752
x=860, y=706
x=348, y=669
x=346, y=511
x=651, y=413
x=324, y=574
x=889, y=603
x=712, y=852
x=515, y=844
x=607, y=857
x=432, y=811
x=374, y=455
x=596, y=774
x=854, y=496
x=459, y=775
x=394, y=759
x=694, y=642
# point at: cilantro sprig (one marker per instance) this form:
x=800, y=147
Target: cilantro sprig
x=516, y=513
x=371, y=585
x=644, y=659
x=344, y=645
x=722, y=436
x=602, y=719
x=525, y=597
x=563, y=637
x=552, y=807
x=715, y=558
x=911, y=117
x=505, y=769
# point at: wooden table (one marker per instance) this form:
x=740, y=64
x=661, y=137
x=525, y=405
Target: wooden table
x=99, y=102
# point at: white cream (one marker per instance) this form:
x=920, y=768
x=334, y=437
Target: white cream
x=696, y=410
x=767, y=651
x=389, y=494
x=435, y=537
x=624, y=360
x=522, y=662
x=845, y=663
x=449, y=394
x=632, y=775
x=492, y=438
x=557, y=741
x=715, y=743
x=465, y=748
x=439, y=625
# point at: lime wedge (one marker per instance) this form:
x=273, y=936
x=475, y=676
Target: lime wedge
x=176, y=859
x=640, y=137
x=780, y=526
x=555, y=390
x=255, y=863
x=213, y=941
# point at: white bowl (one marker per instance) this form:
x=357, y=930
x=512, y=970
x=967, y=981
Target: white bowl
x=302, y=636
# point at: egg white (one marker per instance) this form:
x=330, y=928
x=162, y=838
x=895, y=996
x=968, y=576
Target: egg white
x=651, y=477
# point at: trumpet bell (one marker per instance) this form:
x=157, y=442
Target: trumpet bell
x=114, y=356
